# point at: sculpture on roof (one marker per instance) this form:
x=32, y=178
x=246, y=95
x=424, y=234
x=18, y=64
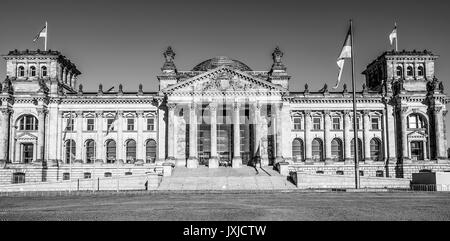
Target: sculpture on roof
x=277, y=65
x=169, y=65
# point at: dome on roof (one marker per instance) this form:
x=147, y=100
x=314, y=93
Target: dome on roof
x=219, y=61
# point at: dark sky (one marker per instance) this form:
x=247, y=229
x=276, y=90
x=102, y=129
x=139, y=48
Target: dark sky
x=115, y=42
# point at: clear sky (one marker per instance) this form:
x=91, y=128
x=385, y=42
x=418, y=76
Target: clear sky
x=115, y=42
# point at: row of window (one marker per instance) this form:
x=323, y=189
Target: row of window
x=410, y=71
x=87, y=175
x=335, y=123
x=378, y=173
x=111, y=125
x=111, y=151
x=336, y=149
x=33, y=71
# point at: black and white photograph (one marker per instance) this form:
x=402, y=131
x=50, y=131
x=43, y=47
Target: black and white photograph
x=231, y=111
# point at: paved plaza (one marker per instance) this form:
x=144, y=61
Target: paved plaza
x=230, y=206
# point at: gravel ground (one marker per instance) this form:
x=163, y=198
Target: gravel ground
x=230, y=206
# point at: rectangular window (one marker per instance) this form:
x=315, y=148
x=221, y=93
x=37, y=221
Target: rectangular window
x=66, y=176
x=336, y=123
x=297, y=123
x=316, y=123
x=18, y=178
x=357, y=124
x=130, y=124
x=70, y=124
x=27, y=153
x=90, y=124
x=87, y=175
x=109, y=123
x=375, y=125
x=151, y=124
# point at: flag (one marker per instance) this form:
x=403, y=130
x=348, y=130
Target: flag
x=346, y=53
x=393, y=35
x=41, y=34
x=111, y=127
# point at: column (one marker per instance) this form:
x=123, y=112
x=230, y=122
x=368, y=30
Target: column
x=438, y=123
x=79, y=142
x=405, y=149
x=4, y=130
x=121, y=158
x=41, y=135
x=347, y=137
x=213, y=161
x=60, y=151
x=237, y=161
x=391, y=134
x=308, y=147
x=140, y=150
x=384, y=138
x=192, y=161
x=277, y=132
x=100, y=143
x=366, y=118
x=256, y=107
x=327, y=138
x=171, y=133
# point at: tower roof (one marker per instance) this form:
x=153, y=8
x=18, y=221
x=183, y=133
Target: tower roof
x=220, y=61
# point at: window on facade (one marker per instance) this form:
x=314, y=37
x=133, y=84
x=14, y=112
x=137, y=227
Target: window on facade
x=379, y=173
x=417, y=152
x=27, y=152
x=316, y=123
x=317, y=149
x=18, y=177
x=109, y=124
x=336, y=149
x=150, y=124
x=44, y=71
x=420, y=71
x=375, y=149
x=90, y=151
x=128, y=173
x=28, y=123
x=297, y=149
x=361, y=173
x=87, y=175
x=415, y=121
x=409, y=71
x=336, y=123
x=66, y=176
x=297, y=123
x=319, y=172
x=130, y=124
x=375, y=123
x=90, y=124
x=150, y=151
x=110, y=151
x=70, y=124
x=21, y=71
x=70, y=151
x=131, y=151
x=399, y=71
x=108, y=174
x=359, y=149
x=339, y=172
x=357, y=123
x=32, y=71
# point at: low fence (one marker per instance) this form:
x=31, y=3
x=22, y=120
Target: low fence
x=138, y=182
x=431, y=187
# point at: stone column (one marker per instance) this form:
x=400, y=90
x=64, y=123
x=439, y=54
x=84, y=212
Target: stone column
x=384, y=138
x=237, y=160
x=42, y=113
x=347, y=137
x=405, y=150
x=121, y=158
x=100, y=150
x=366, y=118
x=308, y=147
x=278, y=133
x=327, y=133
x=192, y=161
x=140, y=150
x=4, y=130
x=79, y=141
x=391, y=134
x=439, y=128
x=256, y=121
x=60, y=150
x=213, y=161
x=171, y=133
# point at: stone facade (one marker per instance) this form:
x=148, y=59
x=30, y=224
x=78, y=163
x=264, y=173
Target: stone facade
x=220, y=113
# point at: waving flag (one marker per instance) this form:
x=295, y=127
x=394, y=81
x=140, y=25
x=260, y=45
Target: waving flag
x=393, y=36
x=42, y=34
x=346, y=53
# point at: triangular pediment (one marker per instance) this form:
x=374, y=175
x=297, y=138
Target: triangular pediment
x=26, y=137
x=224, y=79
x=417, y=135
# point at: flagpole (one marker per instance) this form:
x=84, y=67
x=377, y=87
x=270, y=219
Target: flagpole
x=46, y=36
x=396, y=37
x=355, y=130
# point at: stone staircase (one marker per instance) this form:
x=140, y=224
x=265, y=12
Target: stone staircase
x=245, y=178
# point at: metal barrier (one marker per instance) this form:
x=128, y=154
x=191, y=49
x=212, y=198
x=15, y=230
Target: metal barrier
x=430, y=187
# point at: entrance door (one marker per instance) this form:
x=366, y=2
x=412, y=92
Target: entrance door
x=204, y=144
x=224, y=148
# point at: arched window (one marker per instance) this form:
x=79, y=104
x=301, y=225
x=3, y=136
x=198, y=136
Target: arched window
x=131, y=151
x=70, y=151
x=297, y=149
x=359, y=148
x=416, y=121
x=375, y=149
x=317, y=149
x=336, y=149
x=28, y=123
x=90, y=151
x=417, y=152
x=110, y=151
x=21, y=71
x=399, y=71
x=44, y=71
x=32, y=71
x=150, y=151
x=420, y=71
x=409, y=71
